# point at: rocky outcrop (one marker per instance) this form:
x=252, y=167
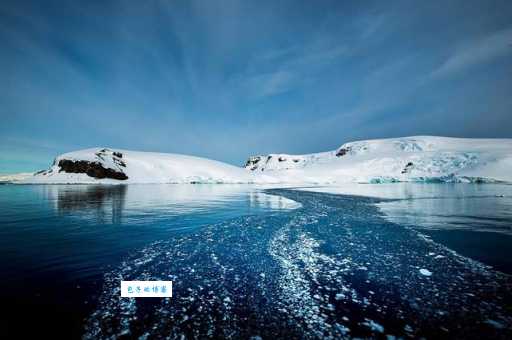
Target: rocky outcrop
x=92, y=169
x=277, y=162
x=407, y=168
x=252, y=162
x=342, y=151
x=116, y=156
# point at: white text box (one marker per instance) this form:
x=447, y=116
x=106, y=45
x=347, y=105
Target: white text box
x=146, y=288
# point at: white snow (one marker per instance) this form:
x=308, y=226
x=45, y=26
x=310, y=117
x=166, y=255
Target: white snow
x=8, y=178
x=407, y=159
x=145, y=167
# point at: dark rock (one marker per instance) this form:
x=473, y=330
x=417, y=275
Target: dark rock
x=342, y=152
x=407, y=167
x=117, y=154
x=92, y=169
x=281, y=159
x=252, y=162
x=119, y=162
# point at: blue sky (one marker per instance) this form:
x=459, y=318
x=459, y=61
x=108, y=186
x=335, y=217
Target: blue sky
x=229, y=79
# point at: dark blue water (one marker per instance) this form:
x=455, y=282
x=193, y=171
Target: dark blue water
x=244, y=263
x=474, y=220
x=57, y=242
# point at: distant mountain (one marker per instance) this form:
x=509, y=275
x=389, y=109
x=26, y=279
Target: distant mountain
x=408, y=159
x=11, y=178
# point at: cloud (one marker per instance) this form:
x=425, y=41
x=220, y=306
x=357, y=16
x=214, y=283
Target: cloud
x=270, y=84
x=478, y=51
x=280, y=70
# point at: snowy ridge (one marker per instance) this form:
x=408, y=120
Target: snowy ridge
x=418, y=158
x=408, y=159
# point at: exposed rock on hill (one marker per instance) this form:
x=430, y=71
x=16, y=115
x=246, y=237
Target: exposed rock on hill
x=92, y=169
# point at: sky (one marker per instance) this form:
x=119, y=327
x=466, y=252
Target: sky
x=229, y=79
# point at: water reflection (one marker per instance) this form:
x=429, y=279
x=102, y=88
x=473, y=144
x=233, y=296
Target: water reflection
x=80, y=228
x=486, y=207
x=104, y=203
x=473, y=212
x=417, y=190
x=118, y=204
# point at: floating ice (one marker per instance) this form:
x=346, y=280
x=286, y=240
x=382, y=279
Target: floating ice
x=310, y=287
x=495, y=324
x=374, y=326
x=425, y=272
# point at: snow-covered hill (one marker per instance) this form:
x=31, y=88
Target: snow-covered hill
x=103, y=165
x=419, y=158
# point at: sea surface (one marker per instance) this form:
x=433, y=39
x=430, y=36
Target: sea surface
x=419, y=260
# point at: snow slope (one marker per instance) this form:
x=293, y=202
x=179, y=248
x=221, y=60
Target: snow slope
x=142, y=167
x=417, y=158
x=413, y=159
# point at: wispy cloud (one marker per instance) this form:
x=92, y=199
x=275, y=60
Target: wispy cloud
x=278, y=71
x=270, y=84
x=478, y=51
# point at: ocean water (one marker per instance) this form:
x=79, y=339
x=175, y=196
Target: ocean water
x=58, y=241
x=250, y=262
x=474, y=220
